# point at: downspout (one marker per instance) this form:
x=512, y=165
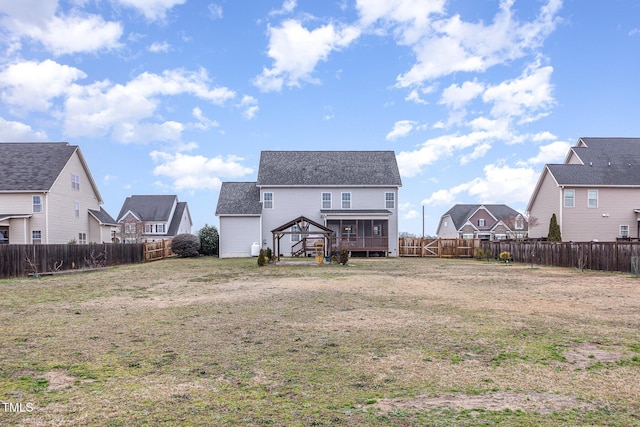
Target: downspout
x=46, y=216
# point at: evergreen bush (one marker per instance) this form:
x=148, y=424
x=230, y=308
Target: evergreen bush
x=186, y=245
x=261, y=259
x=554, y=230
x=209, y=239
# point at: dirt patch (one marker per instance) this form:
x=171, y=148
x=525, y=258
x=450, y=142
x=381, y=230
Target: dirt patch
x=59, y=380
x=527, y=402
x=586, y=354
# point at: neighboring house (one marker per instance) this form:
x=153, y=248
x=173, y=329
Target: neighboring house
x=352, y=193
x=594, y=194
x=485, y=222
x=150, y=218
x=48, y=196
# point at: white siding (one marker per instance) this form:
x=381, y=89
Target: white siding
x=290, y=203
x=446, y=228
x=237, y=234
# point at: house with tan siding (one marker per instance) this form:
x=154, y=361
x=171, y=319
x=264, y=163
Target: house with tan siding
x=48, y=196
x=595, y=193
x=352, y=193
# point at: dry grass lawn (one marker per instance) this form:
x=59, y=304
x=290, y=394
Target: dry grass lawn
x=379, y=342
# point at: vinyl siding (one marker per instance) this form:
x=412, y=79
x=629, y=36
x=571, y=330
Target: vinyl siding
x=582, y=223
x=290, y=203
x=447, y=231
x=547, y=202
x=63, y=225
x=237, y=234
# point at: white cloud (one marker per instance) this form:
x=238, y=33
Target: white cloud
x=215, y=11
x=401, y=129
x=451, y=45
x=33, y=85
x=250, y=107
x=412, y=162
x=60, y=33
x=288, y=6
x=411, y=214
x=129, y=112
x=551, y=153
x=457, y=97
x=202, y=122
x=19, y=132
x=196, y=172
x=500, y=184
x=153, y=10
x=524, y=96
x=410, y=18
x=296, y=51
x=159, y=47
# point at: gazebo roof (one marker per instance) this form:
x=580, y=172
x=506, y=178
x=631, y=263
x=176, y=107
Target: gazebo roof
x=301, y=220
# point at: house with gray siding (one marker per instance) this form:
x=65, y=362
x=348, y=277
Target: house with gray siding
x=353, y=193
x=48, y=196
x=484, y=222
x=595, y=193
x=148, y=218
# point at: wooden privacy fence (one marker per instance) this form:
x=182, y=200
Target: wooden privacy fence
x=22, y=260
x=604, y=256
x=439, y=248
x=157, y=250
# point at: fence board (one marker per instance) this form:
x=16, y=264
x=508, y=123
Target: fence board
x=22, y=260
x=602, y=256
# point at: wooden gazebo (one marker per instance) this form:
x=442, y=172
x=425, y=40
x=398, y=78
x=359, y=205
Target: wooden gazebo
x=304, y=224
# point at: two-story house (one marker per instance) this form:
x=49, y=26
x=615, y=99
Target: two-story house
x=594, y=193
x=48, y=196
x=485, y=222
x=352, y=193
x=147, y=218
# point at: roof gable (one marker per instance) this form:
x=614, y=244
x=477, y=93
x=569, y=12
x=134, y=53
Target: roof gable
x=461, y=214
x=328, y=168
x=239, y=198
x=149, y=207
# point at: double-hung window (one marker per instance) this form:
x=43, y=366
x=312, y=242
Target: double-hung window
x=36, y=237
x=148, y=228
x=569, y=198
x=82, y=238
x=482, y=222
x=267, y=200
x=37, y=204
x=592, y=198
x=76, y=208
x=326, y=200
x=295, y=237
x=75, y=182
x=346, y=200
x=624, y=231
x=390, y=200
x=159, y=228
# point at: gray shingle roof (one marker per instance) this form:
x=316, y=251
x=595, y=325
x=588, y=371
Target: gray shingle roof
x=606, y=162
x=102, y=216
x=177, y=218
x=239, y=198
x=32, y=166
x=328, y=168
x=149, y=207
x=462, y=212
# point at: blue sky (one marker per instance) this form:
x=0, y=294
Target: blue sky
x=176, y=96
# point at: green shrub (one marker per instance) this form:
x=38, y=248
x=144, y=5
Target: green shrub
x=209, y=239
x=261, y=259
x=269, y=254
x=185, y=245
x=505, y=256
x=479, y=254
x=343, y=256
